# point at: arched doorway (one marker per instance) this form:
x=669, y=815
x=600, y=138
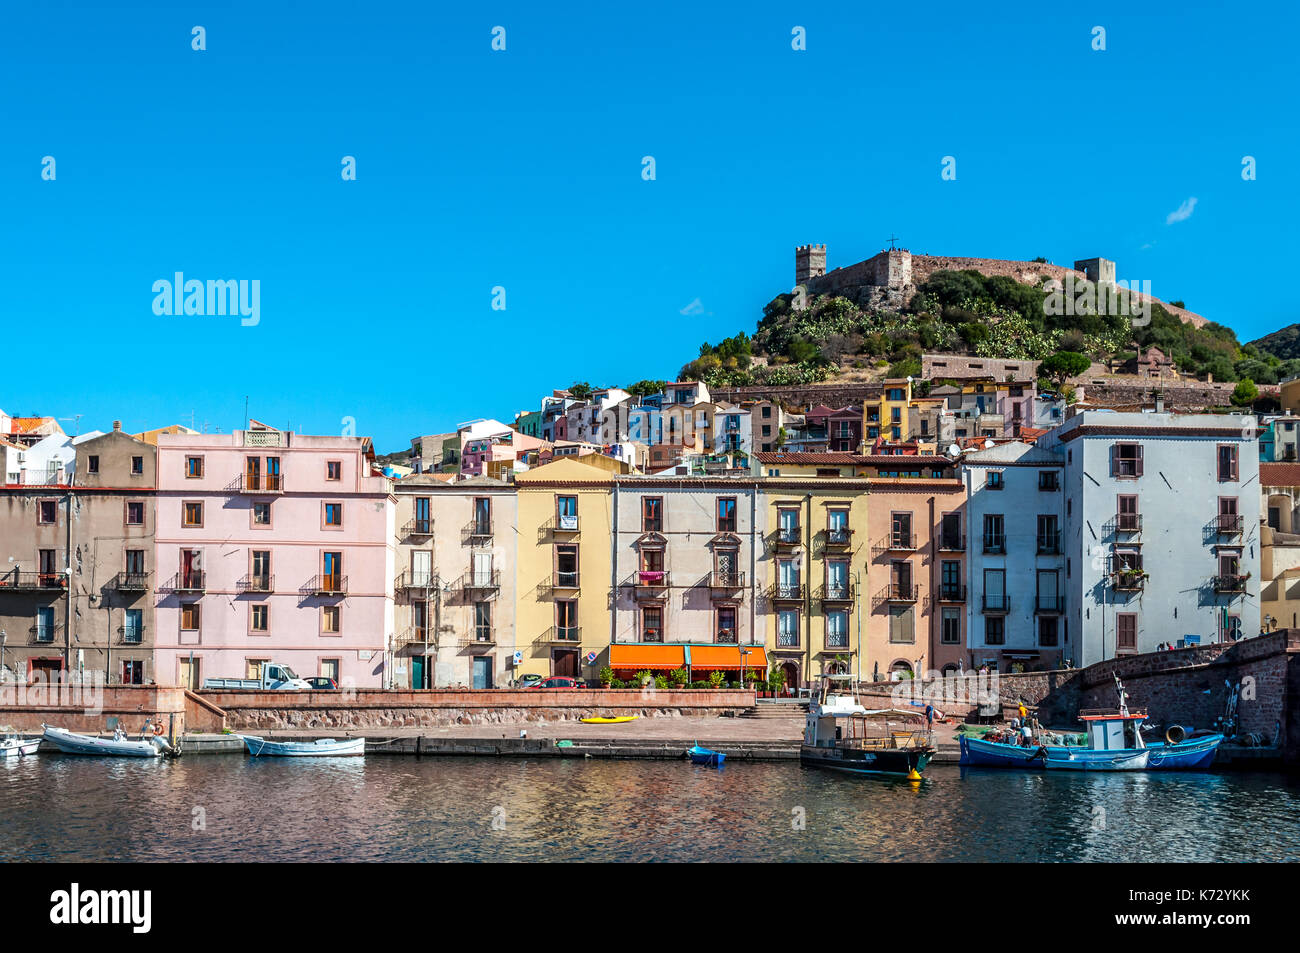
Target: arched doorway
x=837, y=667
x=791, y=672
x=900, y=670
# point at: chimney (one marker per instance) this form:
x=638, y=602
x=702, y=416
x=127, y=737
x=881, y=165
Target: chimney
x=117, y=426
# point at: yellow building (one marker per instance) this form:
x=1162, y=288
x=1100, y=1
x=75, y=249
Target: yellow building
x=563, y=569
x=814, y=564
x=888, y=416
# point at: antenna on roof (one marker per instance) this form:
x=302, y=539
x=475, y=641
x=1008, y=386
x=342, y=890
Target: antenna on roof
x=76, y=423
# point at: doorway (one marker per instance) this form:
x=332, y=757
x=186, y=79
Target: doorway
x=482, y=671
x=565, y=663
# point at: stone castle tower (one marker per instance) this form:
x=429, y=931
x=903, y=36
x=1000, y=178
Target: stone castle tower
x=809, y=262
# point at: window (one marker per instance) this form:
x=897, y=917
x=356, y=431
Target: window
x=787, y=629
x=133, y=626
x=133, y=672
x=725, y=630
x=137, y=465
x=950, y=626
x=1049, y=480
x=1049, y=534
x=262, y=514
x=837, y=629
x=482, y=516
x=950, y=531
x=995, y=539
x=134, y=513
x=1126, y=632
x=331, y=620
x=652, y=624
x=566, y=566
x=566, y=620
x=135, y=562
x=333, y=470
x=566, y=512
x=1126, y=514
x=483, y=622
x=993, y=481
x=333, y=514
x=191, y=514
x=193, y=468
x=1047, y=630
x=901, y=628
x=726, y=514
x=995, y=590
x=900, y=530
x=92, y=463
x=995, y=632
x=47, y=511
x=190, y=617
x=1126, y=460
x=259, y=617
x=788, y=525
x=1227, y=463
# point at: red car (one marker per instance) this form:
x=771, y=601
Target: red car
x=560, y=681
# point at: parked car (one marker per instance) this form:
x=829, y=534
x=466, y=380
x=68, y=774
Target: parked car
x=531, y=680
x=321, y=682
x=560, y=681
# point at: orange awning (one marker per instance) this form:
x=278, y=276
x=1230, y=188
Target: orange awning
x=715, y=657
x=639, y=657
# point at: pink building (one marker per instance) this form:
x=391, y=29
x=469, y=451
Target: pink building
x=272, y=546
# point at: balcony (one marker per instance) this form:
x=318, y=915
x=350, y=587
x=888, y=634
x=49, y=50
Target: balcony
x=649, y=585
x=485, y=639
x=563, y=524
x=895, y=592
x=192, y=581
x=838, y=537
x=44, y=634
x=413, y=579
x=895, y=542
x=787, y=592
x=995, y=543
x=563, y=635
x=1049, y=605
x=787, y=537
x=417, y=527
x=477, y=532
x=1049, y=544
x=837, y=592
x=257, y=483
x=995, y=603
x=1128, y=580
x=1230, y=583
x=15, y=581
x=130, y=582
x=952, y=543
x=1125, y=523
x=415, y=634
x=327, y=584
x=566, y=581
x=256, y=582
x=481, y=581
x=1228, y=524
x=131, y=634
x=725, y=585
x=952, y=592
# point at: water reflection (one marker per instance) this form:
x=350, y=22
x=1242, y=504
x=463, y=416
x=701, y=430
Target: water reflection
x=401, y=808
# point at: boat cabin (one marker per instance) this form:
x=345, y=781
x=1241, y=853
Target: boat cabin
x=1113, y=729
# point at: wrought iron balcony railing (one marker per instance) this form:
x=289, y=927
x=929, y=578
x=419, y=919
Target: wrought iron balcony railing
x=327, y=584
x=726, y=582
x=837, y=592
x=257, y=483
x=952, y=542
x=131, y=581
x=995, y=543
x=1232, y=582
x=16, y=581
x=563, y=634
x=995, y=602
x=481, y=581
x=256, y=582
x=952, y=592
x=44, y=634
x=194, y=580
x=131, y=634
x=787, y=592
x=1229, y=524
x=1049, y=544
x=417, y=527
x=838, y=536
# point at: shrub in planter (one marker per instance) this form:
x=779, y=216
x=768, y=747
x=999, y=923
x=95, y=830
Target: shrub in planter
x=616, y=683
x=607, y=677
x=678, y=677
x=661, y=681
x=716, y=679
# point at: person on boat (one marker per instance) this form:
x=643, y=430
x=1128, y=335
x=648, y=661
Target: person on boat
x=1024, y=712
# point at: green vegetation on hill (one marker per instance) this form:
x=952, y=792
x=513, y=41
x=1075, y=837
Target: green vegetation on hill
x=971, y=313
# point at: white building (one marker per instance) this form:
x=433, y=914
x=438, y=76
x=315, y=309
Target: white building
x=1161, y=535
x=1016, y=613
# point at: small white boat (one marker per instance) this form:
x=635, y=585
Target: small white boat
x=18, y=748
x=320, y=748
x=118, y=746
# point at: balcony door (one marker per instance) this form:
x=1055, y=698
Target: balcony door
x=421, y=568
x=900, y=574
x=482, y=569
x=837, y=579
x=334, y=570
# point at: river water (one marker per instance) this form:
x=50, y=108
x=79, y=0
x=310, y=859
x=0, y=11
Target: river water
x=233, y=808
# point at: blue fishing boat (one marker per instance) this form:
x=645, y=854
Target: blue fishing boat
x=700, y=755
x=979, y=752
x=1191, y=754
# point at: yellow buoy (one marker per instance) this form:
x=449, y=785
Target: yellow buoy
x=914, y=775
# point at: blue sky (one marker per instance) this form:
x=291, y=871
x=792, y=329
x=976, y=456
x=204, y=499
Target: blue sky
x=522, y=169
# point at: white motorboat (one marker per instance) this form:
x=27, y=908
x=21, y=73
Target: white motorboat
x=118, y=746
x=320, y=748
x=14, y=747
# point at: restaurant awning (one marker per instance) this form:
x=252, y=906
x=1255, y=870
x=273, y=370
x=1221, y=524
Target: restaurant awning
x=721, y=657
x=646, y=657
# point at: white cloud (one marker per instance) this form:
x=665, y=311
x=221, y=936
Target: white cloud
x=695, y=307
x=1182, y=213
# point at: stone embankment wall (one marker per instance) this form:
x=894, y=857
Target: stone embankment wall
x=87, y=708
x=374, y=708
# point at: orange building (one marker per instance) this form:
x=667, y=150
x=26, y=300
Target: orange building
x=916, y=577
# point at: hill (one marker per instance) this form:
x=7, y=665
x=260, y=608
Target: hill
x=1283, y=343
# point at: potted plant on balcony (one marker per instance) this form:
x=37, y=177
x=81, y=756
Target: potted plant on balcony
x=1129, y=577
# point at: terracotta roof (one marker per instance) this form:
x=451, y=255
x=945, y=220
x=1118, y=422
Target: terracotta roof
x=27, y=424
x=1031, y=434
x=1279, y=474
